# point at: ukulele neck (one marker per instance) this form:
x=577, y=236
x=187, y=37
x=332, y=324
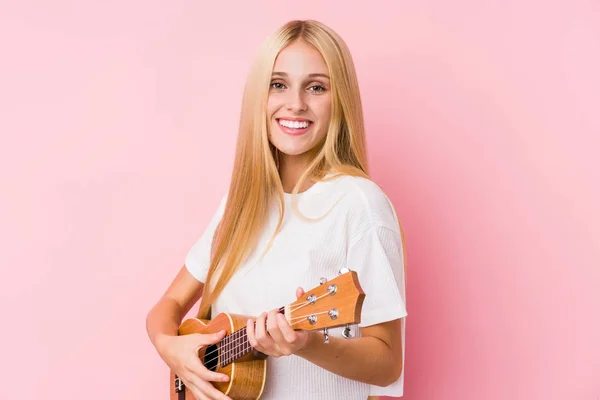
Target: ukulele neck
x=236, y=345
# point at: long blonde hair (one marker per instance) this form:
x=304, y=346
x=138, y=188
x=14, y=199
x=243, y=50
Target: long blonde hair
x=255, y=180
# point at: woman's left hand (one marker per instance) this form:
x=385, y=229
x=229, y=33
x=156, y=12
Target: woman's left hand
x=273, y=334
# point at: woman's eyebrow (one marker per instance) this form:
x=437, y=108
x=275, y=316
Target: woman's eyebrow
x=313, y=75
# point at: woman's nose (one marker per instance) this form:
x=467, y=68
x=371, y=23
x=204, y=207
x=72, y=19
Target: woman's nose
x=296, y=101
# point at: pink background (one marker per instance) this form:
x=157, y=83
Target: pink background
x=118, y=124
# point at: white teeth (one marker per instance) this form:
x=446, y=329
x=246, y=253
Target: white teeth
x=294, y=124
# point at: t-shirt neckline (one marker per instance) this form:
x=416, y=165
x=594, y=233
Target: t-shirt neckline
x=313, y=189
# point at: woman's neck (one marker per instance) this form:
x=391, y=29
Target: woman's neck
x=291, y=169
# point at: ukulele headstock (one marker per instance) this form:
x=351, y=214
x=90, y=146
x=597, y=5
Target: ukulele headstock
x=333, y=303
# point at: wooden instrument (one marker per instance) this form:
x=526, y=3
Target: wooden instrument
x=333, y=303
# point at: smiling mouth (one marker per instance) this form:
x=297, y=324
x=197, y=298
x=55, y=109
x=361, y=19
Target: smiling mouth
x=294, y=124
x=294, y=127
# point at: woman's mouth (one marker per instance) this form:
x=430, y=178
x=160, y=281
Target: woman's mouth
x=292, y=127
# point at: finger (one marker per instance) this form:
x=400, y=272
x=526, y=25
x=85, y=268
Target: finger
x=212, y=338
x=262, y=336
x=273, y=328
x=211, y=392
x=251, y=334
x=211, y=376
x=197, y=367
x=286, y=330
x=198, y=395
x=299, y=292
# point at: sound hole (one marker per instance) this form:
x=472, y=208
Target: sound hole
x=211, y=357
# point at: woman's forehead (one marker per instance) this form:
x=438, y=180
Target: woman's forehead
x=299, y=60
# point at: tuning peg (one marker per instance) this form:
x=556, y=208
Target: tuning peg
x=326, y=334
x=347, y=332
x=323, y=280
x=343, y=271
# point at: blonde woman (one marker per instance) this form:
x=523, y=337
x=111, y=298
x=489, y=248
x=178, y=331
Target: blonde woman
x=300, y=206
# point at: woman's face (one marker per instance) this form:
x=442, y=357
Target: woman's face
x=299, y=105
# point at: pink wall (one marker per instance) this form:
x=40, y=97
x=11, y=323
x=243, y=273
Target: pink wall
x=118, y=129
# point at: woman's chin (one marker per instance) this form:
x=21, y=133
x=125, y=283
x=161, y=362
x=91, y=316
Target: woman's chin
x=294, y=148
x=292, y=152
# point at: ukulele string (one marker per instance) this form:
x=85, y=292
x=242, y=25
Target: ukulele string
x=239, y=342
x=300, y=305
x=242, y=339
x=302, y=317
x=241, y=336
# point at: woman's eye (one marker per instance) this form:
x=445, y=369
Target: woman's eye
x=314, y=88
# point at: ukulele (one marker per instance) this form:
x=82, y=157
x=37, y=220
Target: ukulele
x=333, y=303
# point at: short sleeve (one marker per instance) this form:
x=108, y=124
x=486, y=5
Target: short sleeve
x=378, y=258
x=197, y=260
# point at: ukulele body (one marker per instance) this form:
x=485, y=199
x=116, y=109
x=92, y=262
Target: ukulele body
x=246, y=374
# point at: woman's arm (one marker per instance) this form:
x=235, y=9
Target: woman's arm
x=374, y=358
x=180, y=352
x=164, y=318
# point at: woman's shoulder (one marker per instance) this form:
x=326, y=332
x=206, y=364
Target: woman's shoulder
x=367, y=201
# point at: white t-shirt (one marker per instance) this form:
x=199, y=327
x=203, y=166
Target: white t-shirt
x=360, y=233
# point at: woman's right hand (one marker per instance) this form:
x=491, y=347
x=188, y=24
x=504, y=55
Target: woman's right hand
x=181, y=355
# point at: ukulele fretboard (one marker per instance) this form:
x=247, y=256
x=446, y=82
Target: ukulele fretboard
x=232, y=347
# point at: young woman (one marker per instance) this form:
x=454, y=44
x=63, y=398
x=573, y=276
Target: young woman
x=300, y=206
